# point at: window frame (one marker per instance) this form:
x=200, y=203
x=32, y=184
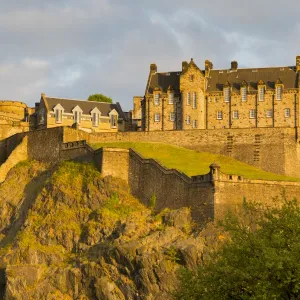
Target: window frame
x=157, y=99
x=261, y=93
x=188, y=120
x=171, y=98
x=219, y=115
x=279, y=92
x=244, y=94
x=188, y=98
x=285, y=112
x=172, y=116
x=252, y=116
x=226, y=94
x=235, y=114
x=194, y=100
x=194, y=123
x=157, y=117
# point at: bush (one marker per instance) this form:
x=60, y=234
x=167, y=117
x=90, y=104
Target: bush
x=100, y=98
x=259, y=258
x=152, y=202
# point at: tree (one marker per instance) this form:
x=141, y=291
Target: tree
x=99, y=98
x=260, y=259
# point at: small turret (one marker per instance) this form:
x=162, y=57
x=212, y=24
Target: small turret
x=153, y=68
x=234, y=65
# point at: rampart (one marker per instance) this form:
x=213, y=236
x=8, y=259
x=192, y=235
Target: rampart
x=275, y=150
x=208, y=195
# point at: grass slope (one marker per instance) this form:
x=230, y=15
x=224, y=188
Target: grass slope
x=192, y=162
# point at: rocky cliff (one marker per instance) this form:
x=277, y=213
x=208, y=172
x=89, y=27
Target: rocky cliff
x=66, y=232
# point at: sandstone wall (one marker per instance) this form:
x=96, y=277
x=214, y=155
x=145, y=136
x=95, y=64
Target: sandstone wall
x=271, y=149
x=230, y=194
x=18, y=154
x=171, y=188
x=112, y=161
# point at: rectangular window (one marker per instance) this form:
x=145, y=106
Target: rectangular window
x=156, y=99
x=269, y=113
x=279, y=92
x=58, y=116
x=77, y=117
x=235, y=114
x=252, y=113
x=95, y=119
x=244, y=93
x=156, y=117
x=172, y=116
x=209, y=99
x=188, y=120
x=219, y=115
x=171, y=98
x=194, y=100
x=188, y=99
x=194, y=123
x=287, y=113
x=113, y=121
x=261, y=93
x=226, y=93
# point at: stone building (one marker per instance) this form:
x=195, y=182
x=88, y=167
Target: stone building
x=89, y=116
x=214, y=99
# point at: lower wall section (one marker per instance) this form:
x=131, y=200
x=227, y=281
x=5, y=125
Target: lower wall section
x=230, y=195
x=171, y=188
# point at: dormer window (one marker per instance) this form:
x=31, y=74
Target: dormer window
x=156, y=99
x=113, y=118
x=77, y=112
x=58, y=112
x=279, y=89
x=261, y=93
x=95, y=117
x=244, y=91
x=226, y=93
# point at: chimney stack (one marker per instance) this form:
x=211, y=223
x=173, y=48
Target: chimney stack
x=208, y=67
x=234, y=65
x=298, y=63
x=153, y=68
x=184, y=65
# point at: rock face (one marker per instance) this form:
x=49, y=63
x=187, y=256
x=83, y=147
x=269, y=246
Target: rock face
x=68, y=233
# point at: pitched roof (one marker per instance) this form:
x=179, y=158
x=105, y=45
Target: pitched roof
x=86, y=106
x=217, y=78
x=164, y=80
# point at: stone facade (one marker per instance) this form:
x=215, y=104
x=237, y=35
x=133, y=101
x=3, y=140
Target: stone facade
x=217, y=99
x=88, y=116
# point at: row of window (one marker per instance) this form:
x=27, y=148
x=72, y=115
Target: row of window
x=78, y=117
x=157, y=98
x=261, y=93
x=171, y=117
x=252, y=114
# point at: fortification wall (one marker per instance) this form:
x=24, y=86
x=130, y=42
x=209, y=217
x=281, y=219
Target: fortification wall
x=114, y=162
x=171, y=188
x=271, y=149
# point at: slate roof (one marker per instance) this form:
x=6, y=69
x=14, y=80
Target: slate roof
x=164, y=80
x=86, y=106
x=217, y=78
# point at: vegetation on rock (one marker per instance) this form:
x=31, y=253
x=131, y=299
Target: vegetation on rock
x=258, y=258
x=69, y=233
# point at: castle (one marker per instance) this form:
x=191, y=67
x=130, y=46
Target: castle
x=218, y=99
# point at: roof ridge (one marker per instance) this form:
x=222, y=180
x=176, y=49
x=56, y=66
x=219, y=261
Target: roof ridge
x=78, y=100
x=254, y=68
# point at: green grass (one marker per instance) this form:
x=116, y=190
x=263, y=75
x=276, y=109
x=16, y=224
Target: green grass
x=192, y=162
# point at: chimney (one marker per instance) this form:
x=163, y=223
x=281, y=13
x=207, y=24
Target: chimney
x=184, y=65
x=208, y=67
x=234, y=65
x=298, y=63
x=153, y=68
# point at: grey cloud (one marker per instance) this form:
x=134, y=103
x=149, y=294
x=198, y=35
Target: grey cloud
x=75, y=48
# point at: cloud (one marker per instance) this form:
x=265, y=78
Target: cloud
x=73, y=48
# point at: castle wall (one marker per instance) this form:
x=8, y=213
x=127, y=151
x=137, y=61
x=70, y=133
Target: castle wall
x=112, y=161
x=230, y=194
x=271, y=149
x=171, y=188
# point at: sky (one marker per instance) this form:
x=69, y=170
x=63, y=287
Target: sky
x=75, y=48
